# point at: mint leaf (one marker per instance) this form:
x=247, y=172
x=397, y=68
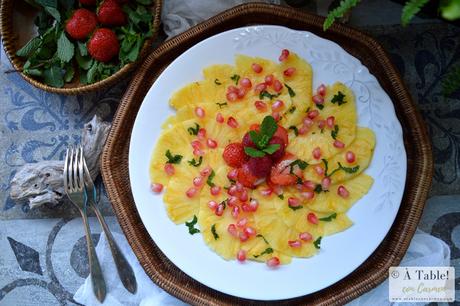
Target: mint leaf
x=235, y=78
x=69, y=73
x=65, y=49
x=91, y=75
x=320, y=106
x=144, y=2
x=47, y=3
x=328, y=218
x=318, y=188
x=317, y=242
x=253, y=152
x=31, y=46
x=191, y=226
x=338, y=98
x=210, y=178
x=268, y=126
x=290, y=90
x=195, y=163
x=82, y=48
x=53, y=12
x=53, y=76
x=85, y=62
x=173, y=159
x=272, y=148
x=256, y=138
x=214, y=233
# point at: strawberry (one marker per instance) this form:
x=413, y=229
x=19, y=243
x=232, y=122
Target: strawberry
x=88, y=2
x=103, y=45
x=110, y=13
x=245, y=176
x=280, y=173
x=283, y=134
x=260, y=166
x=280, y=152
x=234, y=155
x=247, y=142
x=81, y=24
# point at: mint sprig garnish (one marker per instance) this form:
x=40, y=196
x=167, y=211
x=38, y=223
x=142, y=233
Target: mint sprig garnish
x=261, y=139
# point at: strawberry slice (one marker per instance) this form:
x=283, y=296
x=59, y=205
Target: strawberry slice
x=245, y=176
x=280, y=174
x=283, y=134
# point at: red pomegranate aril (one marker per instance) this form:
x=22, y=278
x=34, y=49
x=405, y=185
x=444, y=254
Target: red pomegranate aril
x=201, y=133
x=199, y=112
x=219, y=210
x=239, y=187
x=241, y=255
x=276, y=116
x=211, y=143
x=232, y=230
x=273, y=262
x=269, y=79
x=212, y=205
x=313, y=114
x=303, y=130
x=250, y=231
x=232, y=96
x=232, y=88
x=305, y=236
x=260, y=87
x=277, y=85
x=307, y=122
x=156, y=187
x=330, y=121
x=235, y=211
x=321, y=124
x=215, y=190
x=196, y=144
x=232, y=174
x=256, y=68
x=233, y=201
x=284, y=55
x=350, y=157
x=260, y=105
x=244, y=196
x=198, y=181
x=266, y=192
x=277, y=105
x=241, y=93
x=232, y=190
x=312, y=218
x=191, y=192
x=317, y=99
x=206, y=171
x=316, y=153
x=242, y=222
x=294, y=243
x=325, y=183
x=253, y=205
x=307, y=195
x=321, y=90
x=289, y=72
x=243, y=236
x=198, y=152
x=338, y=144
x=293, y=202
x=343, y=192
x=232, y=122
x=245, y=207
x=169, y=169
x=220, y=118
x=245, y=83
x=309, y=185
x=319, y=170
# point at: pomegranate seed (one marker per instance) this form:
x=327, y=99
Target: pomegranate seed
x=245, y=207
x=169, y=169
x=201, y=133
x=243, y=236
x=294, y=202
x=338, y=144
x=284, y=55
x=241, y=255
x=325, y=183
x=273, y=262
x=199, y=112
x=289, y=72
x=220, y=118
x=307, y=122
x=260, y=87
x=156, y=187
x=309, y=185
x=235, y=211
x=198, y=181
x=212, y=205
x=312, y=218
x=343, y=192
x=317, y=99
x=196, y=144
x=277, y=86
x=232, y=88
x=250, y=231
x=305, y=236
x=321, y=90
x=277, y=105
x=233, y=201
x=319, y=170
x=232, y=96
x=241, y=93
x=294, y=243
x=253, y=205
x=245, y=83
x=321, y=124
x=313, y=114
x=307, y=195
x=198, y=152
x=260, y=105
x=269, y=79
x=244, y=196
x=231, y=229
x=211, y=143
x=316, y=153
x=330, y=121
x=303, y=130
x=215, y=190
x=232, y=174
x=232, y=122
x=239, y=187
x=191, y=192
x=266, y=192
x=206, y=171
x=242, y=222
x=350, y=157
x=232, y=190
x=219, y=210
x=256, y=68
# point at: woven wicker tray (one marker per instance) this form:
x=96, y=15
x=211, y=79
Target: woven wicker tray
x=419, y=172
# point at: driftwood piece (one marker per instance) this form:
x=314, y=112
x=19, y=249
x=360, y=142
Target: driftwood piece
x=42, y=183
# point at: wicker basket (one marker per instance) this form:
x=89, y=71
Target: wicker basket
x=16, y=28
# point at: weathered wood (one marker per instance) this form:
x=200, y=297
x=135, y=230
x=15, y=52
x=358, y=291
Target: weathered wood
x=42, y=183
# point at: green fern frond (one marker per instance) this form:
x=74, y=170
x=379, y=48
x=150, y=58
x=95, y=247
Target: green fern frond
x=451, y=82
x=338, y=12
x=410, y=9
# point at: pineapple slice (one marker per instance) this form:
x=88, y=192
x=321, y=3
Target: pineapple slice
x=191, y=94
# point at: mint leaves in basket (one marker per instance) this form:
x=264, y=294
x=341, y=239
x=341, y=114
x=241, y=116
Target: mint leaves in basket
x=85, y=41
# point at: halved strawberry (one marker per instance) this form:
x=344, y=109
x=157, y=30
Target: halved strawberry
x=234, y=155
x=247, y=142
x=283, y=134
x=260, y=166
x=245, y=176
x=280, y=173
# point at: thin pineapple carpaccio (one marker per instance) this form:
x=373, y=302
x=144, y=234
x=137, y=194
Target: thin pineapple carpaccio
x=207, y=119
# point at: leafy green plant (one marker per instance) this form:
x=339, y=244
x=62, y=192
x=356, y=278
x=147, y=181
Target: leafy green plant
x=338, y=12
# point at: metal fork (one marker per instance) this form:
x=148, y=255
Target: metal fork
x=74, y=187
x=125, y=272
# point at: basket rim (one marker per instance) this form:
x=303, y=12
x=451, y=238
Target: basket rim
x=6, y=33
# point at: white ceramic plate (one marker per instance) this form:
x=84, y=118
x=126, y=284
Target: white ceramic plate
x=341, y=253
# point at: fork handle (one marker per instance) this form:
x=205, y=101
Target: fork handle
x=125, y=271
x=95, y=270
